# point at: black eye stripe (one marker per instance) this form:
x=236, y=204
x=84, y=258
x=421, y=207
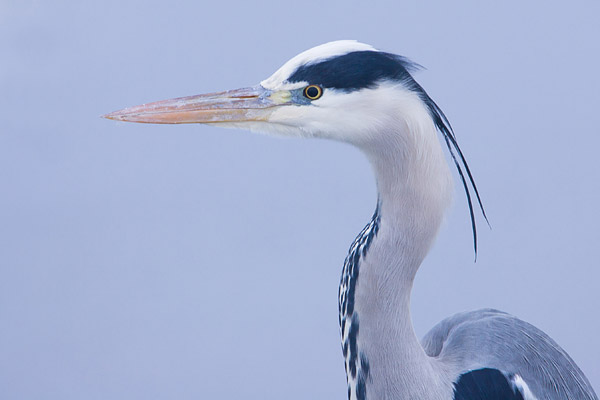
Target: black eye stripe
x=354, y=71
x=313, y=92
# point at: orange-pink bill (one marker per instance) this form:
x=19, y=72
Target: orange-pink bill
x=246, y=104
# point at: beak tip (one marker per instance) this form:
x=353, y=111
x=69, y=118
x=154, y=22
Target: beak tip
x=115, y=116
x=108, y=116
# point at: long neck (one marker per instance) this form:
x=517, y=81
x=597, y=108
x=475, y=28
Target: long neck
x=383, y=354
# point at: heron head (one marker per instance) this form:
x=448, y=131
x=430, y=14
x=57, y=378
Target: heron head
x=343, y=90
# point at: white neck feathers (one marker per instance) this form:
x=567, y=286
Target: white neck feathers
x=415, y=187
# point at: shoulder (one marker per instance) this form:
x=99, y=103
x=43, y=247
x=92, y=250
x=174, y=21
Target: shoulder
x=489, y=339
x=433, y=342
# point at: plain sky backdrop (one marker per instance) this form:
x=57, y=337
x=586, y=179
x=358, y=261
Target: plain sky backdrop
x=188, y=262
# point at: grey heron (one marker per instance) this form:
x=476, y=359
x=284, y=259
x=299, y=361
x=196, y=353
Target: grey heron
x=351, y=92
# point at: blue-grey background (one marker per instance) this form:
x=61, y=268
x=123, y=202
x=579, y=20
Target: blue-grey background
x=186, y=262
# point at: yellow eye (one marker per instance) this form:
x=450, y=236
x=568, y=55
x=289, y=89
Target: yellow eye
x=313, y=92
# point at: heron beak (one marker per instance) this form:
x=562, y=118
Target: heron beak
x=246, y=104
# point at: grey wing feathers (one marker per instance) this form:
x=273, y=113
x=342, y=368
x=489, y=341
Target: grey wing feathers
x=493, y=339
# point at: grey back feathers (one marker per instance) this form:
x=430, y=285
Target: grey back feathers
x=493, y=339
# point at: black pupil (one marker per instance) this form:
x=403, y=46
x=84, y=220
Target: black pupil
x=312, y=92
